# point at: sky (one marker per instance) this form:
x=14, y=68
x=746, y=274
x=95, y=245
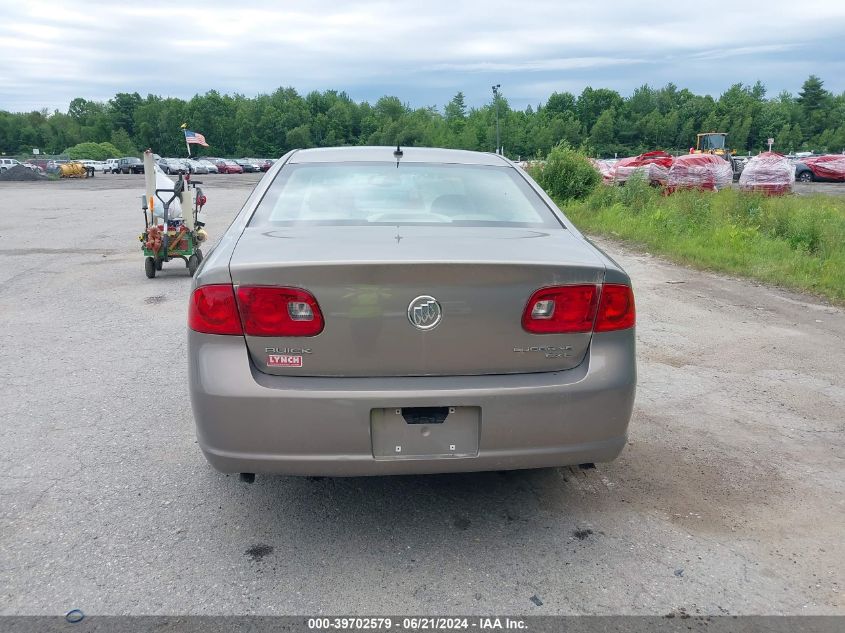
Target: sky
x=423, y=53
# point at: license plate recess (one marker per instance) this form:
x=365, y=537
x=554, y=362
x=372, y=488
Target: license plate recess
x=425, y=432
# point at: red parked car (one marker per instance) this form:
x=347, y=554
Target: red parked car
x=229, y=167
x=828, y=168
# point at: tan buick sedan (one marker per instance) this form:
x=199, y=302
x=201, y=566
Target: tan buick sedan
x=379, y=310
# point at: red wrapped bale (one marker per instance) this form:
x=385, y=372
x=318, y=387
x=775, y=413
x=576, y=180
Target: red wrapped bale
x=706, y=172
x=830, y=167
x=605, y=168
x=769, y=173
x=653, y=165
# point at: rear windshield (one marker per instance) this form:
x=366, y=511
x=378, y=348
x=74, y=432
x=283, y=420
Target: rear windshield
x=414, y=193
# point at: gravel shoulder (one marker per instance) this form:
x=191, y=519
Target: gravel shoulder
x=728, y=499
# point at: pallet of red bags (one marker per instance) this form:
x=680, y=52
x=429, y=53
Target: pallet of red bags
x=769, y=173
x=706, y=172
x=654, y=166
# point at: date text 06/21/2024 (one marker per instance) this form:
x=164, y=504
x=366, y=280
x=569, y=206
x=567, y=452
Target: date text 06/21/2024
x=417, y=623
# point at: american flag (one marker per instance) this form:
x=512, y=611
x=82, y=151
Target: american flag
x=195, y=137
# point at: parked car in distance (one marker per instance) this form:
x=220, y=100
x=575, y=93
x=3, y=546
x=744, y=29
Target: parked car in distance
x=257, y=163
x=36, y=168
x=266, y=164
x=196, y=167
x=363, y=314
x=8, y=163
x=172, y=166
x=111, y=166
x=827, y=168
x=130, y=165
x=211, y=167
x=229, y=167
x=248, y=166
x=96, y=165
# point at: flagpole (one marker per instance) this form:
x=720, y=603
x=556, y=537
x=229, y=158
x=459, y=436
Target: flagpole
x=187, y=144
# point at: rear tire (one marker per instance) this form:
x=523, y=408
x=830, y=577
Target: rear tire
x=193, y=264
x=805, y=176
x=199, y=255
x=150, y=267
x=159, y=262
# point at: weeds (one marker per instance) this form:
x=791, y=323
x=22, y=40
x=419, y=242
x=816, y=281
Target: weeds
x=567, y=174
x=794, y=241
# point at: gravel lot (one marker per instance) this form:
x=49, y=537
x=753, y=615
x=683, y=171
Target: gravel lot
x=729, y=498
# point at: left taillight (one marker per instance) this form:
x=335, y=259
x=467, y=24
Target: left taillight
x=279, y=311
x=214, y=310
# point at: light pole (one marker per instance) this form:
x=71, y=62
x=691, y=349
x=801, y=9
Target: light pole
x=496, y=99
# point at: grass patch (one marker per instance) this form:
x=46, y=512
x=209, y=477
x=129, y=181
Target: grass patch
x=792, y=241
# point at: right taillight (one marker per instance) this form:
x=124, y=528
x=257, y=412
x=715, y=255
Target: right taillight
x=579, y=308
x=213, y=310
x=561, y=309
x=616, y=308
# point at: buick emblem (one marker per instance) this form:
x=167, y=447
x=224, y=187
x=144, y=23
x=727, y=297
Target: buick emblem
x=424, y=313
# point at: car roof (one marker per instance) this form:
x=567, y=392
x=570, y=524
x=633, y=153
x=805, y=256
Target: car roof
x=385, y=154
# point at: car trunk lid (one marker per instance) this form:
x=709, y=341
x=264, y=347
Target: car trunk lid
x=366, y=278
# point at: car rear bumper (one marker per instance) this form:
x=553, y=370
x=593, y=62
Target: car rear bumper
x=248, y=421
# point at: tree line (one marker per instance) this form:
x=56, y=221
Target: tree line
x=599, y=120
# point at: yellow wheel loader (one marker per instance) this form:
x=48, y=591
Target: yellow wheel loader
x=717, y=143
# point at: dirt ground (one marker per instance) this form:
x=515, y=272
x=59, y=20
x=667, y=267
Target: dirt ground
x=827, y=188
x=727, y=500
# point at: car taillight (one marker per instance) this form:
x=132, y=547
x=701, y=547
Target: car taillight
x=560, y=309
x=277, y=311
x=213, y=310
x=616, y=308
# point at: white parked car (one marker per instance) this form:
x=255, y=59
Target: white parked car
x=8, y=163
x=111, y=166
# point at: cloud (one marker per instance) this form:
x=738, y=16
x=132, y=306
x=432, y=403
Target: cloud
x=51, y=52
x=725, y=53
x=537, y=65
